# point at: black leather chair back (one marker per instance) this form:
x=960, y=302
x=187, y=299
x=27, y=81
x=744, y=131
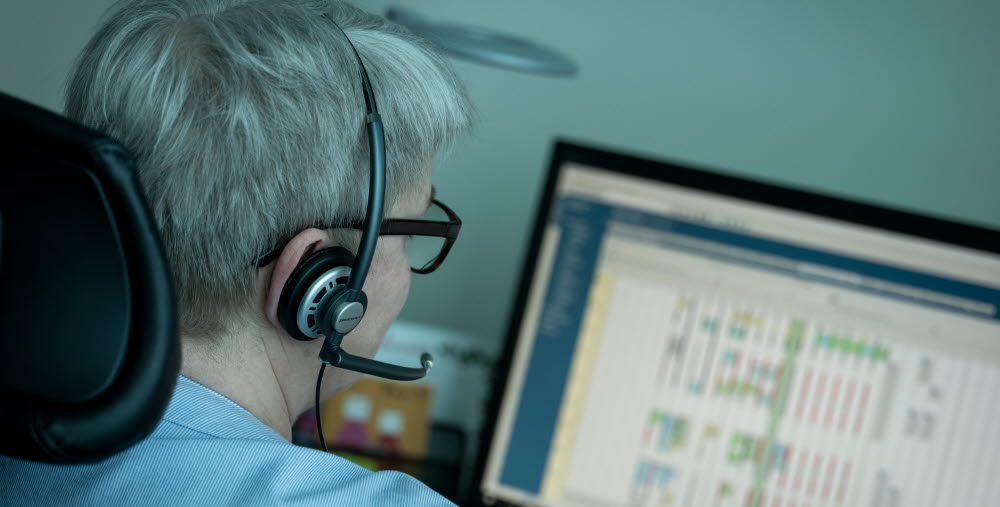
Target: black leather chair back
x=89, y=350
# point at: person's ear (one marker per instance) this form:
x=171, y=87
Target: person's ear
x=303, y=244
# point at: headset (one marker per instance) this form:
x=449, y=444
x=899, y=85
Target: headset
x=323, y=296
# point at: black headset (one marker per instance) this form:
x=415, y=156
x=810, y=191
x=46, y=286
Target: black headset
x=323, y=296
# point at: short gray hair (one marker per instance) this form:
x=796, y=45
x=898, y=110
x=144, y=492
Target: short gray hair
x=247, y=122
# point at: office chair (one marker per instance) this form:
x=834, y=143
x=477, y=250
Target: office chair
x=89, y=348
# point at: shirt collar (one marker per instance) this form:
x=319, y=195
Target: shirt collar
x=201, y=409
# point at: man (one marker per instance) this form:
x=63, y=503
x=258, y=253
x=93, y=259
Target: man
x=247, y=122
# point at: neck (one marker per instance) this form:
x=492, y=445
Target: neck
x=246, y=375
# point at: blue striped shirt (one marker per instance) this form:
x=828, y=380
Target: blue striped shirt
x=209, y=450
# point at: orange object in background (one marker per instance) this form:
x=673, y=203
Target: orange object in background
x=378, y=416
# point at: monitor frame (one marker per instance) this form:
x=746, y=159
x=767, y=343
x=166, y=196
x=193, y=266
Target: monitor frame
x=707, y=180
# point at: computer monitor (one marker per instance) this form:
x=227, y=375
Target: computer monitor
x=689, y=338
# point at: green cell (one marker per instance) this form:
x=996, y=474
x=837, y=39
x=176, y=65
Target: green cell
x=740, y=449
x=725, y=490
x=680, y=433
x=846, y=345
x=858, y=348
x=793, y=344
x=880, y=354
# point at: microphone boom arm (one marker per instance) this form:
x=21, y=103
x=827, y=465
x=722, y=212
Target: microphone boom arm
x=334, y=355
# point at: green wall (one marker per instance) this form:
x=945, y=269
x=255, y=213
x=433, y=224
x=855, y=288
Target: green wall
x=887, y=102
x=894, y=103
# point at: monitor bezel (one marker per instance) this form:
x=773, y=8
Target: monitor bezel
x=712, y=181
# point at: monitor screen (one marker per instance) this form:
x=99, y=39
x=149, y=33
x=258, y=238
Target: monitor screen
x=688, y=338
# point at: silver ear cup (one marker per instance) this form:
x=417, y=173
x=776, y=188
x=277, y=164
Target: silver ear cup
x=316, y=298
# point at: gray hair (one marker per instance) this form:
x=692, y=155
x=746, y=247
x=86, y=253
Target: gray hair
x=247, y=122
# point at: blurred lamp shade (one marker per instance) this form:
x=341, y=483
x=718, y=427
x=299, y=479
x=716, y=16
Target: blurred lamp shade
x=486, y=46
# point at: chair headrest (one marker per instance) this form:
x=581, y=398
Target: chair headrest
x=89, y=349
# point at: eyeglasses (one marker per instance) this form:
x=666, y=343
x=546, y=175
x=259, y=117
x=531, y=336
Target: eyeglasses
x=430, y=238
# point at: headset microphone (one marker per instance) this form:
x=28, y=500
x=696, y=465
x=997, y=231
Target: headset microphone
x=340, y=317
x=317, y=302
x=336, y=356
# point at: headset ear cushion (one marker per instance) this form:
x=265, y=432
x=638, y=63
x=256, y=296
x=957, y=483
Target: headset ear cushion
x=303, y=277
